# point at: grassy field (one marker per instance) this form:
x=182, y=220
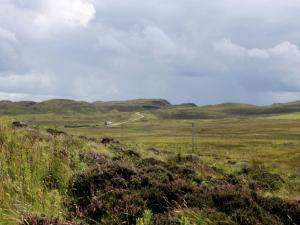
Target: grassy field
x=36, y=167
x=228, y=143
x=290, y=116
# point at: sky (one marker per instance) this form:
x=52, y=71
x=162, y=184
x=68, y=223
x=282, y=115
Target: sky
x=205, y=52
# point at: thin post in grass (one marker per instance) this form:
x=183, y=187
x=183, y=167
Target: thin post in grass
x=193, y=137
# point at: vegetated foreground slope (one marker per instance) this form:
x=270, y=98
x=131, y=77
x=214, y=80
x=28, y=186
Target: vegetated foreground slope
x=49, y=177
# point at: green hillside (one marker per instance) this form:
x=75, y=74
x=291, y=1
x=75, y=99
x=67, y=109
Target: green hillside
x=133, y=105
x=62, y=106
x=159, y=107
x=226, y=110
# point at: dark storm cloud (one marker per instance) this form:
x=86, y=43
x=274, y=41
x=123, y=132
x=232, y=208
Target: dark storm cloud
x=205, y=52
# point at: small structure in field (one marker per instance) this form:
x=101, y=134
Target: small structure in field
x=108, y=123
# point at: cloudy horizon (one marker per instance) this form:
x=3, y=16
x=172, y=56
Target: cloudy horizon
x=183, y=51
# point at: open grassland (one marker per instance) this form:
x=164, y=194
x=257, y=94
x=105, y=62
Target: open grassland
x=228, y=143
x=289, y=116
x=152, y=174
x=225, y=143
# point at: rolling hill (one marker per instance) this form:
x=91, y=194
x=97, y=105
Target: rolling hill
x=160, y=107
x=61, y=106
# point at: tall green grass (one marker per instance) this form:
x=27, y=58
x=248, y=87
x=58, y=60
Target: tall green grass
x=34, y=172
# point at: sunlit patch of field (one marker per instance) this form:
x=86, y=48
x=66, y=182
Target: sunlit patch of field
x=290, y=116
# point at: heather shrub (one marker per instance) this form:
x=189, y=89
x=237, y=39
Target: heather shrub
x=116, y=188
x=240, y=204
x=165, y=219
x=117, y=192
x=37, y=220
x=287, y=211
x=261, y=179
x=92, y=157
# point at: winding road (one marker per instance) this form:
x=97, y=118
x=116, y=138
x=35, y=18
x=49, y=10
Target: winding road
x=140, y=116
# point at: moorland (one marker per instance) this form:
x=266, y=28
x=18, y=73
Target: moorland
x=65, y=164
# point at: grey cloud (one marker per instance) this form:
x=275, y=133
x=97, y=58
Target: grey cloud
x=7, y=35
x=10, y=56
x=26, y=83
x=206, y=52
x=272, y=69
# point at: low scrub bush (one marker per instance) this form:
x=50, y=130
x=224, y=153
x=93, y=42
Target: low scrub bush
x=261, y=179
x=37, y=220
x=123, y=190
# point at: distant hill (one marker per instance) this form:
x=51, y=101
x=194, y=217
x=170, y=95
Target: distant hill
x=190, y=104
x=226, y=110
x=133, y=105
x=60, y=106
x=160, y=107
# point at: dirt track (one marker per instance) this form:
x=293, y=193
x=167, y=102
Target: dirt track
x=140, y=116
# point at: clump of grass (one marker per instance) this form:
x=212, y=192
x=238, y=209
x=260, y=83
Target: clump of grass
x=185, y=221
x=205, y=216
x=145, y=219
x=34, y=170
